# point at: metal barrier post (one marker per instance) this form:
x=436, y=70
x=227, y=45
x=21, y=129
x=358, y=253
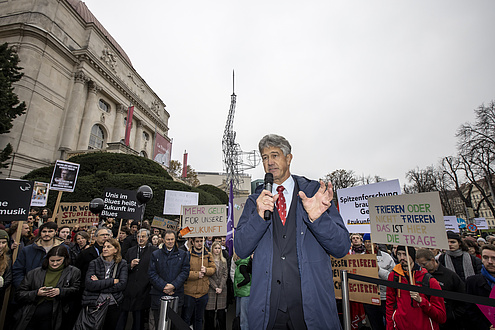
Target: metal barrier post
x=167, y=301
x=346, y=308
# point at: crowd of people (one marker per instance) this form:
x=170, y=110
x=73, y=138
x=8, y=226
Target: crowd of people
x=62, y=273
x=63, y=276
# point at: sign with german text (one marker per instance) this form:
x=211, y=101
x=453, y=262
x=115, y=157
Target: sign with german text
x=163, y=150
x=205, y=220
x=165, y=224
x=360, y=264
x=451, y=223
x=121, y=203
x=64, y=176
x=353, y=203
x=174, y=200
x=411, y=220
x=15, y=199
x=481, y=223
x=76, y=214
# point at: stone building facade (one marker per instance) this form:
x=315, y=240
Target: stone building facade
x=78, y=84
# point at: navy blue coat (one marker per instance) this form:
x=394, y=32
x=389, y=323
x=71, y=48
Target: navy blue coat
x=168, y=267
x=315, y=241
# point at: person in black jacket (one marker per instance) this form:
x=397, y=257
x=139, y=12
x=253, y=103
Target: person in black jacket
x=106, y=279
x=482, y=285
x=45, y=291
x=137, y=293
x=457, y=259
x=91, y=253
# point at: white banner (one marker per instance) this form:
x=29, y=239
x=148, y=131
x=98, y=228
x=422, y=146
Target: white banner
x=451, y=223
x=174, y=200
x=353, y=203
x=481, y=223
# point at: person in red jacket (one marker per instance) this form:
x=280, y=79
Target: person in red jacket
x=408, y=309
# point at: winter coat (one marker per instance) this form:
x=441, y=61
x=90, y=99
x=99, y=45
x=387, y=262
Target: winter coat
x=29, y=258
x=458, y=261
x=137, y=292
x=7, y=281
x=104, y=285
x=315, y=241
x=478, y=286
x=197, y=287
x=85, y=257
x=240, y=278
x=168, y=267
x=26, y=295
x=405, y=313
x=218, y=280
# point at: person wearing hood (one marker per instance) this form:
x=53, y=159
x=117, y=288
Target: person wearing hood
x=32, y=256
x=457, y=258
x=408, y=309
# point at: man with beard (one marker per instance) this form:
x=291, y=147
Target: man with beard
x=408, y=309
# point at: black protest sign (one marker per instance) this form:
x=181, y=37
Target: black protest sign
x=15, y=199
x=64, y=176
x=121, y=203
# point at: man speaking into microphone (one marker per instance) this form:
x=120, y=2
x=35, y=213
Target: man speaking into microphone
x=292, y=228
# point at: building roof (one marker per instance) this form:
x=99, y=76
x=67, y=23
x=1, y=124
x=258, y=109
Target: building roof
x=83, y=11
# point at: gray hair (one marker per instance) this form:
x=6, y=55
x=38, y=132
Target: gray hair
x=277, y=141
x=425, y=253
x=103, y=228
x=144, y=230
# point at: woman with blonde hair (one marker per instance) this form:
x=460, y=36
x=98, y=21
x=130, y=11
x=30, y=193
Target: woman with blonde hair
x=105, y=281
x=217, y=293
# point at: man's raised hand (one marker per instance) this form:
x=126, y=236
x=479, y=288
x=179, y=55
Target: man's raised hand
x=319, y=203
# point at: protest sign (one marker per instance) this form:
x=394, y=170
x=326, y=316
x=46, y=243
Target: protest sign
x=353, y=203
x=165, y=224
x=64, y=176
x=15, y=199
x=239, y=203
x=412, y=220
x=205, y=220
x=76, y=214
x=174, y=200
x=451, y=223
x=121, y=203
x=360, y=264
x=481, y=223
x=40, y=194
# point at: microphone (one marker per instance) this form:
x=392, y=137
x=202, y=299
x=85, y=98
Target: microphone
x=268, y=186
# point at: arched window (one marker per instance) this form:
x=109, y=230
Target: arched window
x=143, y=154
x=97, y=138
x=104, y=105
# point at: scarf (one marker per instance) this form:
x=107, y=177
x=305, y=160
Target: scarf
x=467, y=265
x=51, y=279
x=488, y=277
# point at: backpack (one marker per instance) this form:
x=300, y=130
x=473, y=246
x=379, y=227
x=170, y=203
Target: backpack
x=425, y=282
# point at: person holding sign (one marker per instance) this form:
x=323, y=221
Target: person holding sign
x=291, y=286
x=413, y=310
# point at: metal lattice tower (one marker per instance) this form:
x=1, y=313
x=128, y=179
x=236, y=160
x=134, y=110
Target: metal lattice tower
x=232, y=152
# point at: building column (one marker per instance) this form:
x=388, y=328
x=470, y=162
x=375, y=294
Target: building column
x=74, y=113
x=118, y=126
x=87, y=123
x=138, y=138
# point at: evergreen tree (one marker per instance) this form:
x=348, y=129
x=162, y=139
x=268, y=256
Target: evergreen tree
x=10, y=106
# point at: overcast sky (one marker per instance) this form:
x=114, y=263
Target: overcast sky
x=378, y=87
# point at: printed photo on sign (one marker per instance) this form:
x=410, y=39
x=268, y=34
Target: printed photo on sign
x=411, y=220
x=40, y=194
x=353, y=203
x=64, y=176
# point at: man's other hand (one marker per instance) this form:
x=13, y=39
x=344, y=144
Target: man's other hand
x=319, y=203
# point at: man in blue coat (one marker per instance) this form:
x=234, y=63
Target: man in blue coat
x=292, y=284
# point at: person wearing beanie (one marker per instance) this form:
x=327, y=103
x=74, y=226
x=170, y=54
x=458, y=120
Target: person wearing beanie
x=481, y=241
x=457, y=258
x=408, y=309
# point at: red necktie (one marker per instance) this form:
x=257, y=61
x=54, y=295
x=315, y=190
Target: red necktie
x=281, y=206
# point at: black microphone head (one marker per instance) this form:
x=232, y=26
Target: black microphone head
x=268, y=178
